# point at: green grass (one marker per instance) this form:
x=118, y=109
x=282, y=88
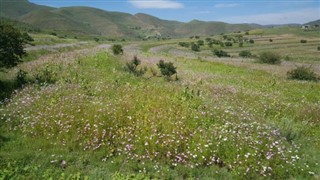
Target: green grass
x=218, y=121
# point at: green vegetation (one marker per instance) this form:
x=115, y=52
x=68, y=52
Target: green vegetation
x=195, y=47
x=184, y=44
x=245, y=54
x=132, y=67
x=167, y=69
x=117, y=49
x=86, y=113
x=220, y=53
x=11, y=45
x=303, y=73
x=303, y=41
x=269, y=57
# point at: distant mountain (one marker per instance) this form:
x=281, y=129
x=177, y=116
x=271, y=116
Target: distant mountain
x=92, y=21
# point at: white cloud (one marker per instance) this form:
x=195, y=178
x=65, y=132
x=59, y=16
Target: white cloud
x=156, y=4
x=226, y=5
x=301, y=16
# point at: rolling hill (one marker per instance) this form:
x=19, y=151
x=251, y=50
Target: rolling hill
x=92, y=21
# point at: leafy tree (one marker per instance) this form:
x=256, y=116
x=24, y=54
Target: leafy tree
x=166, y=68
x=12, y=45
x=117, y=49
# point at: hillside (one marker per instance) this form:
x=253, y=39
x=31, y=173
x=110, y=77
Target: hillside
x=316, y=22
x=14, y=9
x=92, y=21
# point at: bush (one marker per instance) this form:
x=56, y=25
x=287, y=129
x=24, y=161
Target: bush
x=132, y=67
x=166, y=68
x=184, y=44
x=195, y=47
x=200, y=42
x=228, y=43
x=302, y=73
x=220, y=53
x=117, y=49
x=245, y=54
x=46, y=75
x=303, y=41
x=251, y=41
x=269, y=58
x=21, y=78
x=318, y=48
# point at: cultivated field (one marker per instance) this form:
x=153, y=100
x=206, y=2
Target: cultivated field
x=82, y=115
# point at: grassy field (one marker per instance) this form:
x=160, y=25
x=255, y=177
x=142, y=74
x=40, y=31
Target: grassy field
x=83, y=116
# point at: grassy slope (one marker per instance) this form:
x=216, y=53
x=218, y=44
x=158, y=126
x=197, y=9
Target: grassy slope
x=101, y=120
x=14, y=9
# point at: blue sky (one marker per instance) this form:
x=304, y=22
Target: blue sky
x=241, y=11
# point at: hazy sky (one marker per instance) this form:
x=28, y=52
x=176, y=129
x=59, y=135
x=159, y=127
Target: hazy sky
x=241, y=11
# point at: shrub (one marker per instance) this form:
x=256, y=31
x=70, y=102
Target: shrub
x=228, y=43
x=240, y=44
x=166, y=68
x=245, y=54
x=270, y=40
x=318, y=48
x=195, y=47
x=220, y=53
x=251, y=41
x=117, y=49
x=132, y=67
x=184, y=44
x=200, y=42
x=46, y=75
x=303, y=41
x=269, y=58
x=96, y=39
x=302, y=73
x=21, y=78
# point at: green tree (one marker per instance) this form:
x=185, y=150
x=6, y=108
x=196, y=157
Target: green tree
x=12, y=43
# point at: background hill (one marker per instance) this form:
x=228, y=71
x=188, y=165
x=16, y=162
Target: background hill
x=316, y=22
x=96, y=22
